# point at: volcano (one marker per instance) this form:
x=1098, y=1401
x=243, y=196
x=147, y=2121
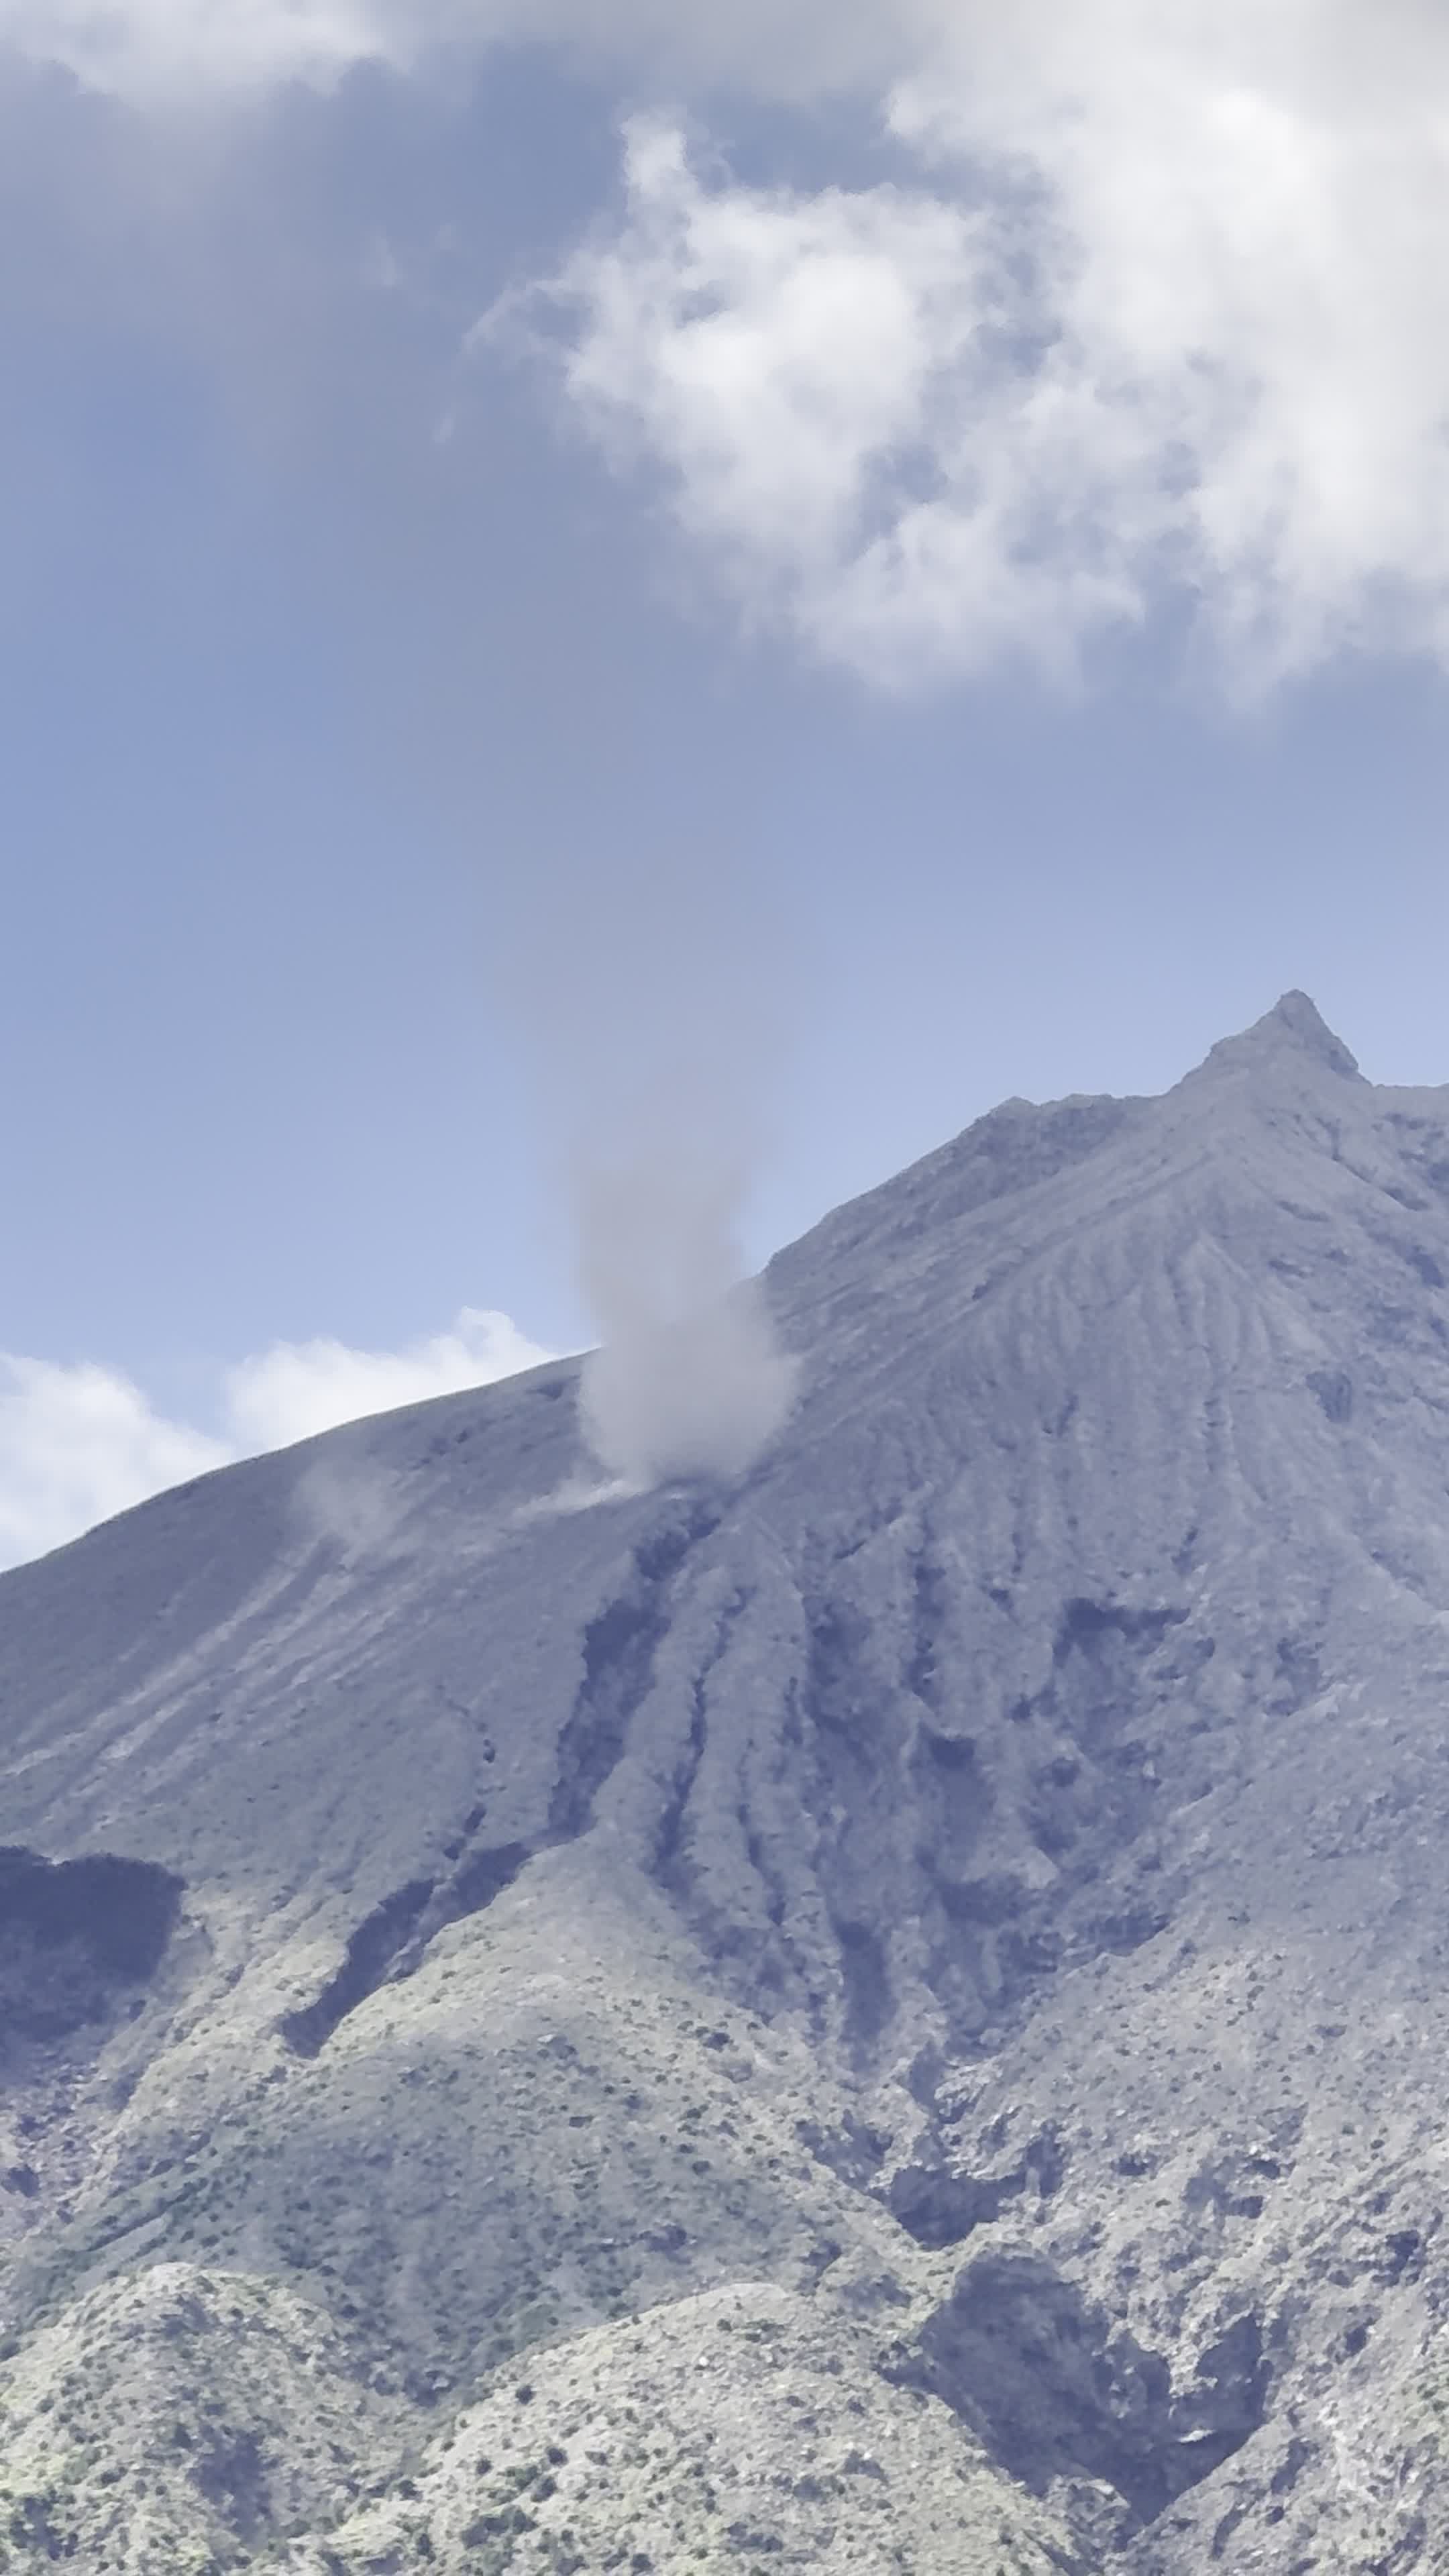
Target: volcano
x=886, y=2015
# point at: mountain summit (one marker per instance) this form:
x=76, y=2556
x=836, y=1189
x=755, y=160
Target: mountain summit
x=1293, y=1022
x=888, y=2015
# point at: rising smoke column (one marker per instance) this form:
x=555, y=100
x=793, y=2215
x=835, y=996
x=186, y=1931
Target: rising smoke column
x=690, y=1379
x=653, y=1002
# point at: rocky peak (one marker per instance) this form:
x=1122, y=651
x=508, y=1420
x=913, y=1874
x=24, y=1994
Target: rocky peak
x=1293, y=1034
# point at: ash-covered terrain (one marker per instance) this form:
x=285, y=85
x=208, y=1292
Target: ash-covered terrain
x=888, y=2016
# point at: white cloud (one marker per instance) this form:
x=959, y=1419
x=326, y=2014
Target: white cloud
x=1165, y=311
x=79, y=1443
x=772, y=348
x=297, y=1388
x=1161, y=312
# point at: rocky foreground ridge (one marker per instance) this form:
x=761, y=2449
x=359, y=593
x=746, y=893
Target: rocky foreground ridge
x=886, y=2017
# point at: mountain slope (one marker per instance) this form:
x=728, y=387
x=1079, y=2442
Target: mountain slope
x=955, y=1919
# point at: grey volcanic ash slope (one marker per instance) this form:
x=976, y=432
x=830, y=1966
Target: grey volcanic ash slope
x=887, y=2016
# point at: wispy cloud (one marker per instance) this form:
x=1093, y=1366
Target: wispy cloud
x=167, y=49
x=158, y=48
x=79, y=1443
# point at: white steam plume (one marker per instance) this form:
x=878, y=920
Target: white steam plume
x=690, y=1380
x=650, y=1009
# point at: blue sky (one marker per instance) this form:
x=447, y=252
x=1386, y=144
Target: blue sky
x=717, y=602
